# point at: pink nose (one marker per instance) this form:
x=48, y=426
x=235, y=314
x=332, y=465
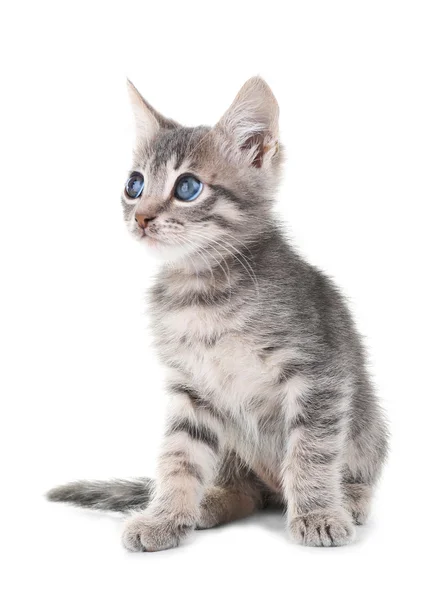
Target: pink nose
x=142, y=221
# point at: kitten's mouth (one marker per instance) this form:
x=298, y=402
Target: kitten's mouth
x=148, y=239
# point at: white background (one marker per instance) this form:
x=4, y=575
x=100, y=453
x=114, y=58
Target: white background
x=82, y=393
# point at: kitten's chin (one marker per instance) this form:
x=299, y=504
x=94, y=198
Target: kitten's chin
x=163, y=251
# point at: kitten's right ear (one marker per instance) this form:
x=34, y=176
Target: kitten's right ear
x=148, y=121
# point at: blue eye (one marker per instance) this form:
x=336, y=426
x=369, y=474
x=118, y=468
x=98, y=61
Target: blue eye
x=188, y=188
x=134, y=185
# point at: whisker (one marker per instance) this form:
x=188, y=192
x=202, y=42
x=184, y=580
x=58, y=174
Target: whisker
x=248, y=268
x=197, y=249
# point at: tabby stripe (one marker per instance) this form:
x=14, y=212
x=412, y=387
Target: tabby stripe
x=224, y=223
x=229, y=195
x=179, y=463
x=288, y=371
x=185, y=467
x=319, y=458
x=199, y=433
x=179, y=388
x=296, y=422
x=322, y=426
x=197, y=402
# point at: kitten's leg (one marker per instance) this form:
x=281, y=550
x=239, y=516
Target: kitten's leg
x=358, y=498
x=221, y=505
x=237, y=493
x=186, y=466
x=365, y=452
x=311, y=473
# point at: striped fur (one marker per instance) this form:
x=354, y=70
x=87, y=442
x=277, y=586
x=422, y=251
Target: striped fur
x=270, y=398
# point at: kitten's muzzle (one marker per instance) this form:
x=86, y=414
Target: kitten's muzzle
x=142, y=221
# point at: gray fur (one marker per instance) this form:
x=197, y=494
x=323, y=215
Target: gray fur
x=271, y=399
x=118, y=495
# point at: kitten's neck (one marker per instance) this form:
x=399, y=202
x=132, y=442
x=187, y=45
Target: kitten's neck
x=222, y=264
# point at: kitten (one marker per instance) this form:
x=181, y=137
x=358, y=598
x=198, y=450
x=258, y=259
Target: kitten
x=270, y=399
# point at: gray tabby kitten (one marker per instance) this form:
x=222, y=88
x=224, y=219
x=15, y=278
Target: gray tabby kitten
x=271, y=402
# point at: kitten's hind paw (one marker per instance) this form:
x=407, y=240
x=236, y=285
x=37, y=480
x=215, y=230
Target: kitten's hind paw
x=323, y=528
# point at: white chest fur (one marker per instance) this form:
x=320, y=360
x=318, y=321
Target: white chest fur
x=223, y=360
x=219, y=351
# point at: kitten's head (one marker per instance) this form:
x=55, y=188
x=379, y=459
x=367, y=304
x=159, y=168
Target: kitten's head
x=196, y=191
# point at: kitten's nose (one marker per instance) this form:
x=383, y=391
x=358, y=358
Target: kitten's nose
x=142, y=221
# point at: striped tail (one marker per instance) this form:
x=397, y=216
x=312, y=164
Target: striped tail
x=116, y=495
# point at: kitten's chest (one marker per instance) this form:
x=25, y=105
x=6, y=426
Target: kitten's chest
x=215, y=343
x=229, y=371
x=220, y=353
x=215, y=348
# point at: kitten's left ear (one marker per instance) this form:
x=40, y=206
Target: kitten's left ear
x=250, y=126
x=148, y=121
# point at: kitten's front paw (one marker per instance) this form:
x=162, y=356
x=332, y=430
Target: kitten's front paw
x=323, y=528
x=147, y=533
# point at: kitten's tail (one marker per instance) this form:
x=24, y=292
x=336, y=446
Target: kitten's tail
x=117, y=495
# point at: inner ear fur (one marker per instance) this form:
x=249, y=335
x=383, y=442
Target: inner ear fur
x=251, y=123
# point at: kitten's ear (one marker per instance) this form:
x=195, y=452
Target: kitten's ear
x=250, y=125
x=147, y=120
